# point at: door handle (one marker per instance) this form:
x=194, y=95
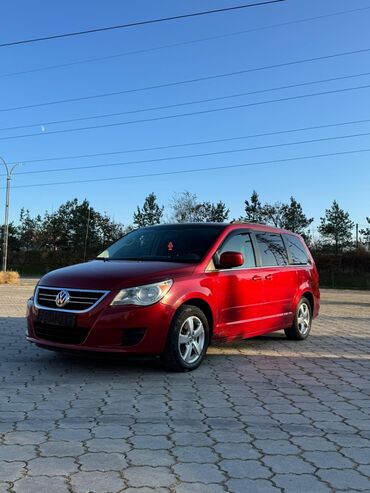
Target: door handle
x=256, y=278
x=268, y=277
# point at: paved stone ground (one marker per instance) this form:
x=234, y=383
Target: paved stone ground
x=264, y=415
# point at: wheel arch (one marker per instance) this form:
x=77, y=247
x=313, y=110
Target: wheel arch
x=204, y=306
x=309, y=296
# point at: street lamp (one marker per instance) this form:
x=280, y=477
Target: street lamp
x=9, y=173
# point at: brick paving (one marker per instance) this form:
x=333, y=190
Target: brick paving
x=263, y=415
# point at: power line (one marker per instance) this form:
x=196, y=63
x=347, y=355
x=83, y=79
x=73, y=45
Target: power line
x=180, y=115
x=187, y=81
x=176, y=105
x=195, y=170
x=199, y=142
x=175, y=158
x=182, y=43
x=139, y=23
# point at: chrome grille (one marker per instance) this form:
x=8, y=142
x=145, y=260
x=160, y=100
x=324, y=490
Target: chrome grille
x=79, y=300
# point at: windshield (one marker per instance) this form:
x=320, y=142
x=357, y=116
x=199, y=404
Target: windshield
x=177, y=243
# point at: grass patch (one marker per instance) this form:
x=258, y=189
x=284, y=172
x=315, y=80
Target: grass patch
x=9, y=277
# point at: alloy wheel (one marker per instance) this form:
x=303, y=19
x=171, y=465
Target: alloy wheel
x=191, y=339
x=304, y=319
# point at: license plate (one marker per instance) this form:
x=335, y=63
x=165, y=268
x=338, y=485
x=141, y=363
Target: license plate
x=62, y=319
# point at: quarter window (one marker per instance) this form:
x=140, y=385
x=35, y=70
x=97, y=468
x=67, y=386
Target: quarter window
x=272, y=249
x=296, y=249
x=240, y=243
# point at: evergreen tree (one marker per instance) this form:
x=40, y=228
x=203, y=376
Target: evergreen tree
x=217, y=213
x=289, y=216
x=336, y=227
x=28, y=230
x=74, y=228
x=254, y=212
x=294, y=218
x=151, y=213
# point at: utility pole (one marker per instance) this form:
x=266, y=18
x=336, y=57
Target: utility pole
x=357, y=236
x=9, y=173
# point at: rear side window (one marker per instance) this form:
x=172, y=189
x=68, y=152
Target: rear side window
x=296, y=249
x=240, y=243
x=272, y=249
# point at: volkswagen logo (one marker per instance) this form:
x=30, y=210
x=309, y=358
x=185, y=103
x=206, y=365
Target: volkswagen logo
x=62, y=298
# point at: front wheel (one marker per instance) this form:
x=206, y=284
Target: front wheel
x=302, y=321
x=188, y=339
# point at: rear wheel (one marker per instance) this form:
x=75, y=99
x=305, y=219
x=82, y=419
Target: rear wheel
x=188, y=339
x=302, y=321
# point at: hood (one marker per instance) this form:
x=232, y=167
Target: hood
x=114, y=274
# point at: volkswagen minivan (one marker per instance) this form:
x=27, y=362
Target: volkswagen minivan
x=169, y=289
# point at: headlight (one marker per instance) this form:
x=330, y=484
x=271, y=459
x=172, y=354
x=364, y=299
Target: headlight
x=143, y=295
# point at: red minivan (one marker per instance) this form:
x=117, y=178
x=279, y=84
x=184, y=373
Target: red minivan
x=168, y=289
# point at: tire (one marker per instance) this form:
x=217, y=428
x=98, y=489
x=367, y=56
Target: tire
x=301, y=327
x=187, y=340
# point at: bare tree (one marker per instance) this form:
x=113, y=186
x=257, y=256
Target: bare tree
x=187, y=209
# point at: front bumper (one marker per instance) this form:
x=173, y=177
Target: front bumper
x=131, y=329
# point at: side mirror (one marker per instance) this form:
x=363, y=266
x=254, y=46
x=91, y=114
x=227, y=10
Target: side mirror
x=228, y=260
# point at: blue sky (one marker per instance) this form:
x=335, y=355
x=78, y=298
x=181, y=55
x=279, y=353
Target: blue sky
x=314, y=182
